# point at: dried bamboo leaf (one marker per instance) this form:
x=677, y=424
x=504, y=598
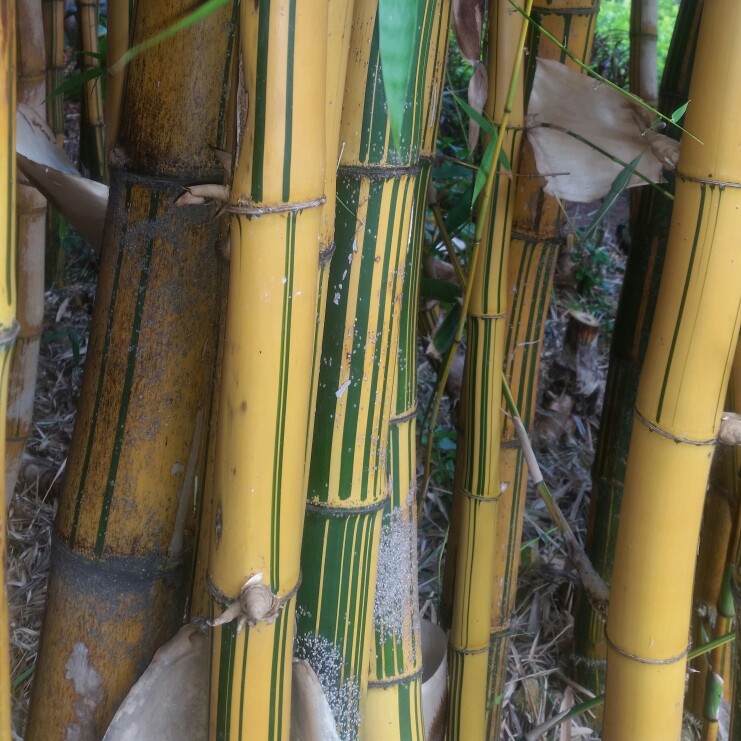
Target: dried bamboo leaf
x=170, y=700
x=81, y=201
x=477, y=88
x=568, y=112
x=311, y=716
x=434, y=680
x=468, y=18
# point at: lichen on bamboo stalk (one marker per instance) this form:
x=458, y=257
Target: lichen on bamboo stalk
x=630, y=336
x=126, y=513
x=348, y=485
x=533, y=249
x=259, y=496
x=8, y=326
x=679, y=403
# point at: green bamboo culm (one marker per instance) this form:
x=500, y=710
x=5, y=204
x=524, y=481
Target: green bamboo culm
x=348, y=478
x=632, y=326
x=393, y=708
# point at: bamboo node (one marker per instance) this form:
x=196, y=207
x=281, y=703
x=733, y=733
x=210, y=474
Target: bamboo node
x=642, y=659
x=670, y=436
x=256, y=603
x=253, y=209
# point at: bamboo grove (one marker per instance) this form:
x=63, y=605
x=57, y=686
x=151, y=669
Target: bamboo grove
x=251, y=455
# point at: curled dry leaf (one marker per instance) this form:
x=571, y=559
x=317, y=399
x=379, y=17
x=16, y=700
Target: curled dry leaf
x=468, y=19
x=81, y=201
x=567, y=110
x=477, y=88
x=195, y=195
x=311, y=716
x=170, y=700
x=434, y=680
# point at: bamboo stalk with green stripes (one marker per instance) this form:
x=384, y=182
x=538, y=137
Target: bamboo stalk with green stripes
x=8, y=326
x=53, y=11
x=477, y=485
x=93, y=130
x=630, y=336
x=266, y=383
x=348, y=484
x=393, y=708
x=533, y=250
x=125, y=526
x=680, y=399
x=31, y=210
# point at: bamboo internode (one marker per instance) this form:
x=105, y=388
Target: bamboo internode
x=125, y=526
x=679, y=403
x=8, y=325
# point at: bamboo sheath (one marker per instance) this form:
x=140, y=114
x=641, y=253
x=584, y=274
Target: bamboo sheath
x=644, y=20
x=533, y=250
x=8, y=325
x=266, y=383
x=348, y=484
x=477, y=485
x=93, y=136
x=630, y=337
x=680, y=397
x=125, y=526
x=394, y=704
x=53, y=12
x=31, y=210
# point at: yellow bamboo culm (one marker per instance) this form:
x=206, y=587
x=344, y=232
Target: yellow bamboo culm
x=644, y=20
x=31, y=207
x=477, y=486
x=533, y=250
x=93, y=101
x=259, y=495
x=124, y=531
x=8, y=325
x=679, y=403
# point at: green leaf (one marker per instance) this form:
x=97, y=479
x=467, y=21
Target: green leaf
x=460, y=213
x=440, y=290
x=619, y=184
x=201, y=12
x=484, y=167
x=443, y=339
x=76, y=82
x=397, y=26
x=677, y=115
x=479, y=118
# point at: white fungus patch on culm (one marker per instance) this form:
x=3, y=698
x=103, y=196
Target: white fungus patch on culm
x=328, y=665
x=396, y=581
x=88, y=684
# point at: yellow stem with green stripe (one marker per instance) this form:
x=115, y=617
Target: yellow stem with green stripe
x=679, y=403
x=8, y=326
x=266, y=383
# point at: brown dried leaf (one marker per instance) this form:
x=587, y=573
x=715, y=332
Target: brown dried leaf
x=562, y=101
x=468, y=19
x=477, y=89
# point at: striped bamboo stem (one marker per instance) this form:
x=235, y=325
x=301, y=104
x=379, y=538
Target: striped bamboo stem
x=347, y=478
x=644, y=20
x=125, y=526
x=533, y=248
x=630, y=336
x=679, y=403
x=53, y=11
x=31, y=210
x=117, y=36
x=393, y=708
x=477, y=485
x=8, y=325
x=259, y=495
x=93, y=133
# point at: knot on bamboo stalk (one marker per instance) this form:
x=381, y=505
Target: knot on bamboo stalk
x=256, y=604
